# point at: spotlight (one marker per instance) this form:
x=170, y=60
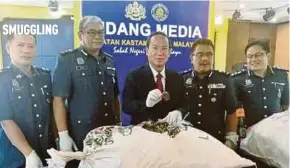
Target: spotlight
x=270, y=13
x=236, y=15
x=53, y=5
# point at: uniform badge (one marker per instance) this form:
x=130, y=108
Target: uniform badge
x=248, y=82
x=279, y=93
x=80, y=61
x=213, y=99
x=48, y=100
x=188, y=81
x=113, y=80
x=15, y=85
x=18, y=76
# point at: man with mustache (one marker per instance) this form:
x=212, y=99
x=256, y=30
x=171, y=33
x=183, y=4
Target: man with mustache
x=262, y=89
x=86, y=79
x=210, y=95
x=152, y=91
x=25, y=107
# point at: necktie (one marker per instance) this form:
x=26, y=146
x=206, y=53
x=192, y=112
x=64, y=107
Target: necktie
x=159, y=84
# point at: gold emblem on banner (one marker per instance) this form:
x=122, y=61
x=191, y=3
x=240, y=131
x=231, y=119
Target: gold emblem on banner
x=135, y=11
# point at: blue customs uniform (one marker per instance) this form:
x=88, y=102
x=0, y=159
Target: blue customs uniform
x=90, y=86
x=261, y=97
x=28, y=102
x=208, y=100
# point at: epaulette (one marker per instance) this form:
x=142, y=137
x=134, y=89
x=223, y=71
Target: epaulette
x=185, y=72
x=280, y=69
x=239, y=72
x=66, y=52
x=222, y=72
x=45, y=70
x=108, y=55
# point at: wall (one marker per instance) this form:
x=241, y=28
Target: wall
x=221, y=33
x=282, y=46
x=240, y=33
x=31, y=12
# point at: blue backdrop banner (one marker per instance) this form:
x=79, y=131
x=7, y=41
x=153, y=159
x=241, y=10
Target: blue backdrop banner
x=128, y=24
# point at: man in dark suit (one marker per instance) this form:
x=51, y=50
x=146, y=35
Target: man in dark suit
x=152, y=92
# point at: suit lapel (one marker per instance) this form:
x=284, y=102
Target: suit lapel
x=148, y=81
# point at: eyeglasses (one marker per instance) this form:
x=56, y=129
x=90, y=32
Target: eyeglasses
x=199, y=55
x=256, y=55
x=93, y=33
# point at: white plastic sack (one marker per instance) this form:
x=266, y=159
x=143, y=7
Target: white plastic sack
x=269, y=140
x=136, y=147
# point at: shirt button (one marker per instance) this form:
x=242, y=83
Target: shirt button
x=35, y=105
x=200, y=96
x=262, y=80
x=37, y=115
x=265, y=107
x=220, y=132
x=200, y=87
x=19, y=97
x=102, y=83
x=40, y=135
x=105, y=103
x=265, y=98
x=199, y=105
x=199, y=113
x=249, y=91
x=79, y=121
x=31, y=84
x=264, y=89
x=33, y=95
x=198, y=122
x=39, y=125
x=265, y=116
x=100, y=72
x=106, y=114
x=104, y=93
x=186, y=93
x=83, y=74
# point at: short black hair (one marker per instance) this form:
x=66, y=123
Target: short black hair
x=155, y=34
x=10, y=37
x=201, y=41
x=263, y=43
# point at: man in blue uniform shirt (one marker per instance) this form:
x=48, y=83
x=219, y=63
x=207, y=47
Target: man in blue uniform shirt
x=86, y=78
x=25, y=106
x=210, y=95
x=261, y=89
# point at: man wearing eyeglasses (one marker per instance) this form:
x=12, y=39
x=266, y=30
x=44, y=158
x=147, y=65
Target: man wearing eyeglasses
x=261, y=89
x=86, y=78
x=210, y=95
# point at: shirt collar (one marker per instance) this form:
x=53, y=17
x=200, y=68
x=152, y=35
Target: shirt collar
x=269, y=71
x=85, y=53
x=155, y=73
x=17, y=73
x=193, y=74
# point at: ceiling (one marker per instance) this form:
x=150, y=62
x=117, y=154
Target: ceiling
x=248, y=8
x=253, y=10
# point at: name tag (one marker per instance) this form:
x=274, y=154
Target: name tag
x=278, y=83
x=81, y=67
x=216, y=86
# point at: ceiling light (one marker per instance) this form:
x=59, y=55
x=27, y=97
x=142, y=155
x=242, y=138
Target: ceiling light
x=242, y=6
x=236, y=15
x=269, y=15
